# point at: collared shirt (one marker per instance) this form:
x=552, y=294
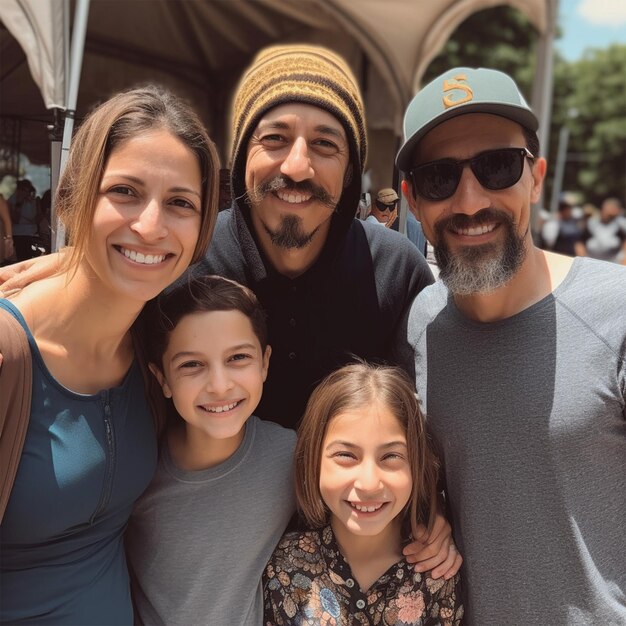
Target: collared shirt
x=308, y=581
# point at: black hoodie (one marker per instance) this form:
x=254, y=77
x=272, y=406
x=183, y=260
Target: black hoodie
x=350, y=302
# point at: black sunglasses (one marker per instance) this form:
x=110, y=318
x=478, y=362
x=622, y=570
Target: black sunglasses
x=385, y=207
x=494, y=169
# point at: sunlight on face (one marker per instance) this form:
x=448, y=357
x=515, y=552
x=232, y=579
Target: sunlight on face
x=147, y=217
x=365, y=477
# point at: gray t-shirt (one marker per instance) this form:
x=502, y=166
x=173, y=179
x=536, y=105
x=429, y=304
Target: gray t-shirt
x=530, y=421
x=198, y=541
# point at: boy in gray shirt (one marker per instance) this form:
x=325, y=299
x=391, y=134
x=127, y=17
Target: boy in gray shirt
x=202, y=533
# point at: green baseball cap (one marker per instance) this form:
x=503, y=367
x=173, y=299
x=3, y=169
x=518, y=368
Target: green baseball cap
x=456, y=92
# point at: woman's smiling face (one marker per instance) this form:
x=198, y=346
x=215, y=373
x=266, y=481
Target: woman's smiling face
x=147, y=217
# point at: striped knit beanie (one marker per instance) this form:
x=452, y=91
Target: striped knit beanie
x=297, y=73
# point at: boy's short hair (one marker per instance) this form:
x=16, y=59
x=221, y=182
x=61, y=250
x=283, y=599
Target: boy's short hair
x=352, y=387
x=199, y=294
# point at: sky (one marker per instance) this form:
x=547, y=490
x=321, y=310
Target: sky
x=590, y=24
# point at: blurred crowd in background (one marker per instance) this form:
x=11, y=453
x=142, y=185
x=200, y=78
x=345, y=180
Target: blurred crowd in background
x=582, y=229
x=24, y=221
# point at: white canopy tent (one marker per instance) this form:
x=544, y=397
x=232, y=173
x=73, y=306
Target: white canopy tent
x=41, y=28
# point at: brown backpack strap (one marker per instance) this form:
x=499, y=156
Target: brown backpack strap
x=16, y=381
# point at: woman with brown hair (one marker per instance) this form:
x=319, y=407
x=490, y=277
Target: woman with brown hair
x=139, y=200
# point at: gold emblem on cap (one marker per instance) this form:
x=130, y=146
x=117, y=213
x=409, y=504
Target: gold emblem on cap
x=449, y=85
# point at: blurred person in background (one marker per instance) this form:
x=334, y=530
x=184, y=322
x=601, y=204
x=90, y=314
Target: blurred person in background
x=605, y=235
x=415, y=233
x=385, y=213
x=25, y=215
x=563, y=233
x=385, y=208
x=45, y=207
x=365, y=206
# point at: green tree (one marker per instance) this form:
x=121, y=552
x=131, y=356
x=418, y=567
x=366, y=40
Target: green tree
x=594, y=88
x=501, y=38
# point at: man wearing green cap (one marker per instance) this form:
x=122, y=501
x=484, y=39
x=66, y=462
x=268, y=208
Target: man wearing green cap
x=520, y=361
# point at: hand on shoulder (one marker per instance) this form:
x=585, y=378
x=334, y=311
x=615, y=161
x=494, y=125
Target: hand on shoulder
x=19, y=275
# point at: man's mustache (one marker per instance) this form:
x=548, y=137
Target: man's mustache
x=461, y=221
x=258, y=193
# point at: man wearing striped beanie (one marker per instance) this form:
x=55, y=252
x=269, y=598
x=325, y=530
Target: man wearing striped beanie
x=332, y=286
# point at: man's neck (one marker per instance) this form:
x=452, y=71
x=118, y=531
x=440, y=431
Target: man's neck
x=541, y=273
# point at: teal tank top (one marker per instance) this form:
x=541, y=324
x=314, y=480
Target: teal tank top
x=86, y=459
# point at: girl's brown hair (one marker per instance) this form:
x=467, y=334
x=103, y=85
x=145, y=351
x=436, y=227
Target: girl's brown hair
x=127, y=115
x=349, y=388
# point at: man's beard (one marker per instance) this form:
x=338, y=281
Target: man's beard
x=290, y=234
x=479, y=269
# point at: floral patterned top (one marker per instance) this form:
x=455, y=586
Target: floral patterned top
x=308, y=582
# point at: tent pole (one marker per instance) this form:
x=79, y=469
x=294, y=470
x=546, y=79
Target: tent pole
x=76, y=61
x=543, y=88
x=56, y=128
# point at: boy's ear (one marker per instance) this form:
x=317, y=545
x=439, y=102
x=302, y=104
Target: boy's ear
x=158, y=374
x=266, y=360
